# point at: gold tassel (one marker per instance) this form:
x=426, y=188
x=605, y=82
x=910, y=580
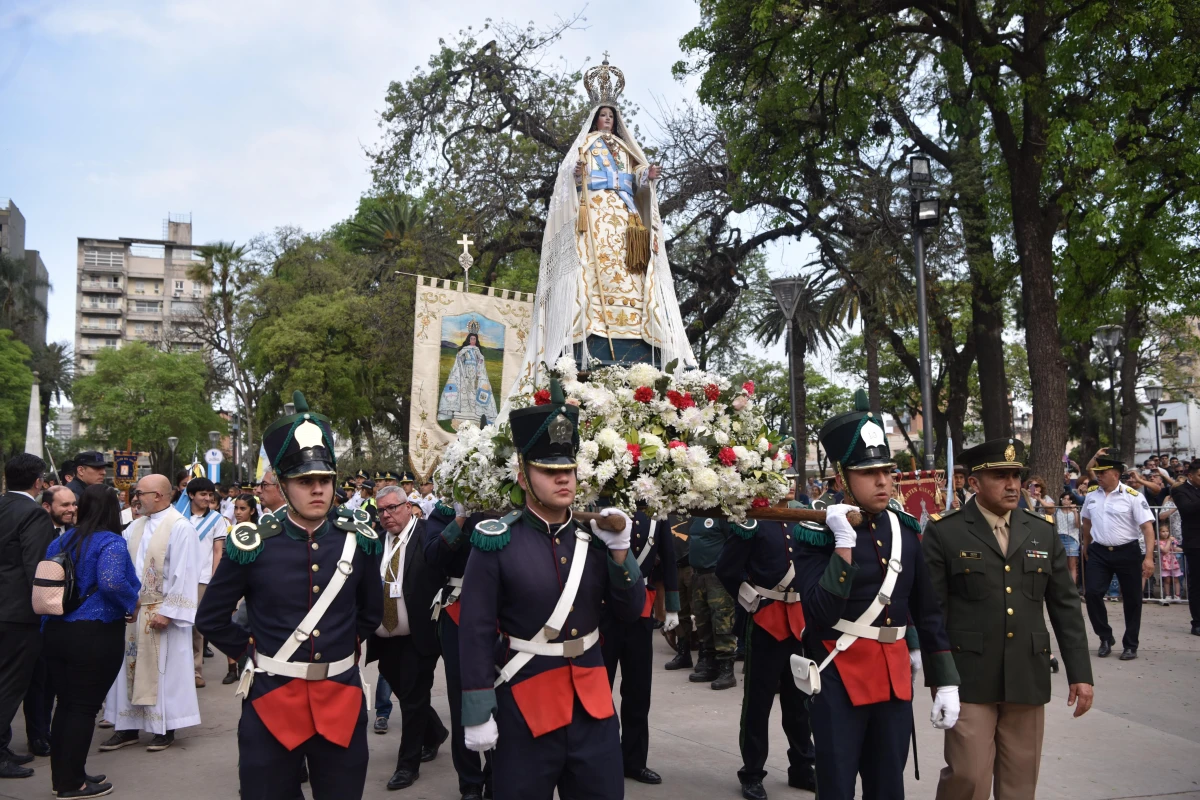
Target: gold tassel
x=581, y=225
x=637, y=245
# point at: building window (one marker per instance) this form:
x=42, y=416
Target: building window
x=139, y=328
x=139, y=287
x=147, y=307
x=1170, y=428
x=103, y=258
x=195, y=288
x=178, y=287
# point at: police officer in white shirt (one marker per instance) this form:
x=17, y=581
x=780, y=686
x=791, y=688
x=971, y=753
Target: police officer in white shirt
x=1118, y=539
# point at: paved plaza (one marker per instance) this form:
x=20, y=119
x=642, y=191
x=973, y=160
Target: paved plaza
x=1141, y=740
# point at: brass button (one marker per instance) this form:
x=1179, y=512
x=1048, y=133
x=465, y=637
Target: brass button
x=872, y=526
x=1110, y=549
x=1007, y=568
x=790, y=549
x=843, y=573
x=878, y=542
x=574, y=631
x=1010, y=634
x=572, y=608
x=316, y=589
x=957, y=649
x=967, y=571
x=887, y=621
x=316, y=632
x=316, y=546
x=841, y=580
x=557, y=540
x=1039, y=569
x=317, y=657
x=562, y=560
x=1010, y=612
x=1008, y=590
x=316, y=568
x=883, y=561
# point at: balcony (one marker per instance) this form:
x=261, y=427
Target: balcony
x=101, y=308
x=101, y=286
x=95, y=347
x=112, y=330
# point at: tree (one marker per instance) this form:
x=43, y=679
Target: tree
x=16, y=379
x=144, y=395
x=55, y=367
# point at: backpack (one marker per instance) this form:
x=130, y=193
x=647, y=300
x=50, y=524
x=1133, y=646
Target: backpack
x=55, y=592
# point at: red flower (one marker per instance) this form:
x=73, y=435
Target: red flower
x=674, y=443
x=541, y=397
x=636, y=451
x=712, y=392
x=787, y=459
x=727, y=456
x=760, y=502
x=749, y=387
x=643, y=394
x=676, y=399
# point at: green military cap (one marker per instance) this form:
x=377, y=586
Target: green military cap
x=300, y=443
x=855, y=439
x=547, y=435
x=993, y=454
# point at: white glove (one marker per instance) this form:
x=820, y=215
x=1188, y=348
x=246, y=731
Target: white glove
x=481, y=738
x=945, y=708
x=615, y=541
x=914, y=661
x=843, y=531
x=671, y=622
x=460, y=511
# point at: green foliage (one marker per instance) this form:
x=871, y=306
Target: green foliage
x=141, y=394
x=16, y=379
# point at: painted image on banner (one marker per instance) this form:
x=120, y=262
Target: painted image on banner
x=471, y=363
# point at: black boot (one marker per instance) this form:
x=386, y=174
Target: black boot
x=683, y=656
x=706, y=668
x=725, y=678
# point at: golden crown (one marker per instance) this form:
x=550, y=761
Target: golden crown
x=598, y=81
x=473, y=326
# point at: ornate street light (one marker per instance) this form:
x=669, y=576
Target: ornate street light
x=1154, y=394
x=172, y=442
x=926, y=213
x=787, y=293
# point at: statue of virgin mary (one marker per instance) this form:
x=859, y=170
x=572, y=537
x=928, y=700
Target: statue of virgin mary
x=605, y=294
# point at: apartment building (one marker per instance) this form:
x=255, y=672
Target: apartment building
x=12, y=245
x=132, y=289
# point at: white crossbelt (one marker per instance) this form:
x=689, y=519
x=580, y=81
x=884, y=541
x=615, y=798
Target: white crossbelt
x=455, y=585
x=806, y=672
x=552, y=628
x=750, y=595
x=572, y=648
x=279, y=664
x=641, y=559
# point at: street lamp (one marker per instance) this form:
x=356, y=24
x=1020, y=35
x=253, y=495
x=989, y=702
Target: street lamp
x=1154, y=395
x=787, y=293
x=1108, y=337
x=926, y=213
x=235, y=429
x=172, y=442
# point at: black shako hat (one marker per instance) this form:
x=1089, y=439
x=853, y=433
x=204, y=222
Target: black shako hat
x=90, y=458
x=547, y=435
x=301, y=443
x=1112, y=460
x=993, y=454
x=856, y=439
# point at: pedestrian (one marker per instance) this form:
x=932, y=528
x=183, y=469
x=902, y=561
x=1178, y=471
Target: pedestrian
x=447, y=549
x=66, y=472
x=1117, y=541
x=406, y=643
x=683, y=574
x=1168, y=568
x=1066, y=524
x=630, y=645
x=89, y=470
x=270, y=495
x=998, y=572
x=60, y=503
x=245, y=509
x=758, y=566
x=25, y=533
x=1185, y=494
x=179, y=498
x=211, y=529
x=544, y=582
x=1039, y=499
x=157, y=693
x=860, y=586
x=712, y=605
x=227, y=495
x=84, y=648
x=302, y=692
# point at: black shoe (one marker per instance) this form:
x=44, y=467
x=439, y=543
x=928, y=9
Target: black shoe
x=401, y=779
x=11, y=769
x=1128, y=654
x=95, y=778
x=430, y=753
x=90, y=789
x=1196, y=630
x=644, y=775
x=230, y=677
x=1053, y=665
x=161, y=742
x=803, y=778
x=683, y=658
x=381, y=725
x=706, y=668
x=208, y=652
x=1105, y=649
x=753, y=790
x=40, y=747
x=473, y=793
x=118, y=740
x=725, y=678
x=10, y=756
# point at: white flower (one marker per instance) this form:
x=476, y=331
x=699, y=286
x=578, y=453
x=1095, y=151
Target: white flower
x=589, y=450
x=642, y=375
x=610, y=440
x=566, y=367
x=704, y=480
x=720, y=437
x=605, y=471
x=691, y=419
x=763, y=444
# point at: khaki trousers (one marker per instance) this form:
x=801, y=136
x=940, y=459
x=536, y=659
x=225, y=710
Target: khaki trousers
x=198, y=638
x=993, y=745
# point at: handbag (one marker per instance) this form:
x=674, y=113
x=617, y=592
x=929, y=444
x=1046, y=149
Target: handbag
x=55, y=591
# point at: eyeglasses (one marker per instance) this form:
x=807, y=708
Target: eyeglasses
x=268, y=483
x=391, y=509
x=140, y=493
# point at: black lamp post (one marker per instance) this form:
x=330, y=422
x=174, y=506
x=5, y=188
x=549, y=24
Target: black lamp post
x=1154, y=395
x=172, y=442
x=926, y=213
x=1108, y=337
x=235, y=430
x=787, y=293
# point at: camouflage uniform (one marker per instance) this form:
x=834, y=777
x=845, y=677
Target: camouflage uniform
x=711, y=603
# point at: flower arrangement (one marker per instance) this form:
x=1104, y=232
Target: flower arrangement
x=669, y=442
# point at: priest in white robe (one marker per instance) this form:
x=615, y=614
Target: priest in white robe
x=156, y=691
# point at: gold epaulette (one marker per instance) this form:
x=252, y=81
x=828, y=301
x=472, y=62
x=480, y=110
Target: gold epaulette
x=1093, y=488
x=1047, y=517
x=944, y=514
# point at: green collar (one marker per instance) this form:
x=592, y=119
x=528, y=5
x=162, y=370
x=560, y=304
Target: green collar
x=537, y=523
x=294, y=531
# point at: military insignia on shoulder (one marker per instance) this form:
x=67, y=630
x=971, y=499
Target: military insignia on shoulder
x=351, y=522
x=244, y=543
x=813, y=533
x=361, y=516
x=443, y=509
x=745, y=530
x=1042, y=517
x=909, y=521
x=941, y=515
x=269, y=526
x=1132, y=491
x=491, y=535
x=1093, y=488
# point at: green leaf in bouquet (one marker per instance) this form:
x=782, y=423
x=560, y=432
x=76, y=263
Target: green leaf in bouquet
x=661, y=385
x=632, y=437
x=657, y=430
x=649, y=451
x=670, y=368
x=516, y=495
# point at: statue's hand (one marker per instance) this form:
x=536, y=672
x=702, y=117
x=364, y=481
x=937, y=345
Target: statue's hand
x=578, y=170
x=654, y=172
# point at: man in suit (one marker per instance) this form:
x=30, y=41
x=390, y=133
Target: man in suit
x=998, y=571
x=25, y=533
x=406, y=643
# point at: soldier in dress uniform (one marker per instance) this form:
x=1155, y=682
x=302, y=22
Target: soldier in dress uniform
x=998, y=571
x=631, y=644
x=407, y=483
x=861, y=586
x=544, y=581
x=758, y=566
x=311, y=582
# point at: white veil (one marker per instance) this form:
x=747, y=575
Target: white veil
x=561, y=272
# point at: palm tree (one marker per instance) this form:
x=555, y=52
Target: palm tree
x=809, y=327
x=19, y=285
x=382, y=229
x=55, y=366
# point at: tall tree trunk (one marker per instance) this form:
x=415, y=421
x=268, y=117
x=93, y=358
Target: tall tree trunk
x=987, y=321
x=871, y=346
x=1129, y=410
x=798, y=351
x=1086, y=399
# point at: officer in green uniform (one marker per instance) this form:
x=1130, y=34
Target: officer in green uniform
x=712, y=605
x=998, y=571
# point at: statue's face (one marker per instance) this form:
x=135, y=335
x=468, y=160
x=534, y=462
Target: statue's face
x=604, y=119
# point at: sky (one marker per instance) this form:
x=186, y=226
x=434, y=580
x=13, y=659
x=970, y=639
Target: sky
x=248, y=114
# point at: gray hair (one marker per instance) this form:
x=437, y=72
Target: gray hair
x=385, y=491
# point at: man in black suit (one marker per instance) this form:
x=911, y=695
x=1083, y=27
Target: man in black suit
x=25, y=533
x=406, y=643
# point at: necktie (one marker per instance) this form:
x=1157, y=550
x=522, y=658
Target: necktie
x=1001, y=531
x=391, y=617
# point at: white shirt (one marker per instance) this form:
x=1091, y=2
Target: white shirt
x=219, y=530
x=227, y=509
x=1117, y=517
x=394, y=543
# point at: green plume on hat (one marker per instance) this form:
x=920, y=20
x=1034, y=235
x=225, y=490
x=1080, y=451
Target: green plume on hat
x=861, y=402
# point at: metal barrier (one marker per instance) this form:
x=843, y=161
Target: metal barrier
x=1154, y=586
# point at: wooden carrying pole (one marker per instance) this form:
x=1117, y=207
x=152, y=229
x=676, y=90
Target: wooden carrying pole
x=770, y=513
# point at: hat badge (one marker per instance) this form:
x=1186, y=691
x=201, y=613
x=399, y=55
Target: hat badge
x=561, y=430
x=308, y=434
x=1010, y=453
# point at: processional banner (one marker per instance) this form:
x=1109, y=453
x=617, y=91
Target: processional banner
x=921, y=493
x=467, y=351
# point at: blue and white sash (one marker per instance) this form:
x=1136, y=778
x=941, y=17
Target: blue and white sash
x=604, y=174
x=206, y=525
